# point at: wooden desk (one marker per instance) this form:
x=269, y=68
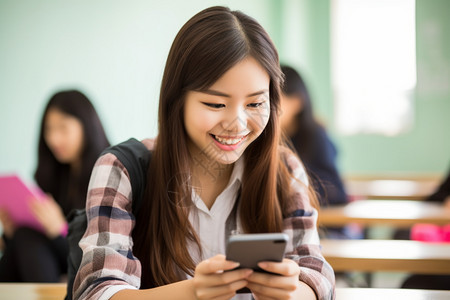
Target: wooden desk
x=32, y=291
x=398, y=189
x=398, y=213
x=42, y=291
x=388, y=294
x=387, y=255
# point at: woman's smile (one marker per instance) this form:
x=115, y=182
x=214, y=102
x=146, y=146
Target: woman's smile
x=228, y=143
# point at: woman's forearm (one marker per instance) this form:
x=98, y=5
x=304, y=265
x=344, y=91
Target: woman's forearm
x=183, y=290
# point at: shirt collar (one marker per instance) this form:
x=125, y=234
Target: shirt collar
x=238, y=171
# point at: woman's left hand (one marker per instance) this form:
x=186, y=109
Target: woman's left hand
x=286, y=285
x=50, y=215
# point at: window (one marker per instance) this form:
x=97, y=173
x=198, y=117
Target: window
x=373, y=65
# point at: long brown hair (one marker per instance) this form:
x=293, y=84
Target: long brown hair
x=208, y=45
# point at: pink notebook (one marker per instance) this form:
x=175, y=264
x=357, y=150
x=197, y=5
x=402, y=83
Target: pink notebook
x=14, y=198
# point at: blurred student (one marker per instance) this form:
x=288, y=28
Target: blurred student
x=442, y=194
x=311, y=141
x=431, y=282
x=71, y=139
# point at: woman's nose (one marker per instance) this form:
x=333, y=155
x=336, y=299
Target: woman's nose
x=235, y=121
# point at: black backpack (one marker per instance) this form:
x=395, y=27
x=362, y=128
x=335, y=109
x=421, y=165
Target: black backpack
x=135, y=157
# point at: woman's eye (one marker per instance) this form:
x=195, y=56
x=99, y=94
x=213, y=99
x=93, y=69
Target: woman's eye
x=214, y=105
x=255, y=105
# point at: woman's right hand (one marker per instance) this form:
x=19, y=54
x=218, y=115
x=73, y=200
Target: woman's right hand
x=7, y=223
x=211, y=282
x=50, y=216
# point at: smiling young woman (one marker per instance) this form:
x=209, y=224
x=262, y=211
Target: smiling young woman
x=218, y=165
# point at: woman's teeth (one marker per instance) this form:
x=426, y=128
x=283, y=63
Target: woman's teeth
x=228, y=141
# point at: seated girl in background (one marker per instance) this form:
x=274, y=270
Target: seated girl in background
x=217, y=166
x=70, y=141
x=431, y=233
x=310, y=139
x=312, y=143
x=442, y=194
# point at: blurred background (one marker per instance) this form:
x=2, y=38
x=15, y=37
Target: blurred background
x=378, y=71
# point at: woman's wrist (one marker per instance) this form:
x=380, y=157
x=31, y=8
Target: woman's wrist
x=64, y=230
x=53, y=233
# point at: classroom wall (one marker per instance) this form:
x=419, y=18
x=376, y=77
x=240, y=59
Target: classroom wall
x=426, y=147
x=115, y=51
x=112, y=50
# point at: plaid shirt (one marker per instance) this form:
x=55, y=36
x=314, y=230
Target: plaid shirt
x=108, y=264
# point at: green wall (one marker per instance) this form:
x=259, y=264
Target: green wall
x=115, y=51
x=426, y=147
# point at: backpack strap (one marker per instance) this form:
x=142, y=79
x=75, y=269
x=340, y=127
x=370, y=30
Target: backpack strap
x=135, y=157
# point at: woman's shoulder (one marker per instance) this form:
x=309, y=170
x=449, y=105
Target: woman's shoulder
x=294, y=164
x=149, y=143
x=127, y=155
x=289, y=157
x=123, y=167
x=299, y=203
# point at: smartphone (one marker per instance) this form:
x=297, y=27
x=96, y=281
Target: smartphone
x=250, y=249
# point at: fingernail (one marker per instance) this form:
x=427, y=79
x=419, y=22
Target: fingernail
x=235, y=264
x=262, y=265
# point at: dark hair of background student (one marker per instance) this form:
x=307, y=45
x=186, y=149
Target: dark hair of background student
x=68, y=188
x=310, y=140
x=306, y=123
x=208, y=45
